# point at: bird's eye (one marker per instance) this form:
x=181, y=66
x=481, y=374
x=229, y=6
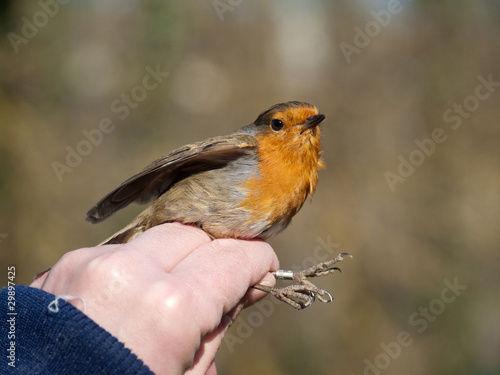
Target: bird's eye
x=277, y=125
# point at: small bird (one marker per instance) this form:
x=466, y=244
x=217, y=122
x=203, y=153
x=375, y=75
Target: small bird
x=247, y=184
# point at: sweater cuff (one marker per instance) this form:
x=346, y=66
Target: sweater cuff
x=62, y=342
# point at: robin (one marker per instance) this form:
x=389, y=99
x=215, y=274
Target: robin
x=247, y=185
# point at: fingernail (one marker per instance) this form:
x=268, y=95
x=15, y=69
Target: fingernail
x=268, y=280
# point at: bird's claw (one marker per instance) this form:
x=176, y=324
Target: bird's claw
x=302, y=295
x=299, y=296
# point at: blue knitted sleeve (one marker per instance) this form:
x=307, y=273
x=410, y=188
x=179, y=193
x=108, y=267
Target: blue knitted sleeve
x=37, y=340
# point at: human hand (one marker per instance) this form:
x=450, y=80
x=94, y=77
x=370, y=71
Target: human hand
x=169, y=295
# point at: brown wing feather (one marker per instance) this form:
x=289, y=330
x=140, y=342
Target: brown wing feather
x=157, y=177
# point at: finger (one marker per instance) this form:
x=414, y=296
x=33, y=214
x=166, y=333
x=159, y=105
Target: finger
x=65, y=267
x=255, y=295
x=212, y=370
x=222, y=271
x=169, y=243
x=204, y=357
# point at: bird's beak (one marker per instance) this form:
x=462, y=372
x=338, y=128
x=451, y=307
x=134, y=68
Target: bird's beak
x=311, y=122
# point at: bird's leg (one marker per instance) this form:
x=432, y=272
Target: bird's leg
x=304, y=293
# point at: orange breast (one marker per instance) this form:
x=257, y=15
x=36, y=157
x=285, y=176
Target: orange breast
x=288, y=173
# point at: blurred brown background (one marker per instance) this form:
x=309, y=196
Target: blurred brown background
x=386, y=74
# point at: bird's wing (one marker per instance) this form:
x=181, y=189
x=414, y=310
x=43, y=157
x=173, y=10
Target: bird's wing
x=160, y=174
